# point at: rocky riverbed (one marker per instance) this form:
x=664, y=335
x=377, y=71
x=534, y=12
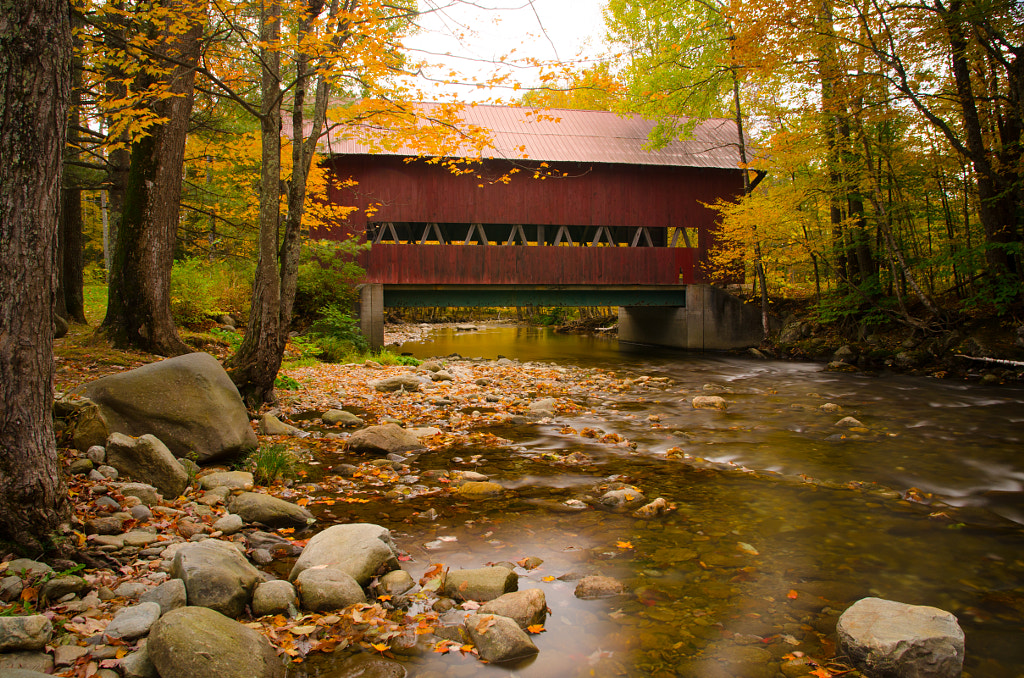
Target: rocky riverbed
x=639, y=581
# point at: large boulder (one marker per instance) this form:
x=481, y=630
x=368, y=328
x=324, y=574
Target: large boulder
x=29, y=632
x=362, y=550
x=325, y=589
x=148, y=459
x=480, y=584
x=254, y=507
x=895, y=640
x=383, y=440
x=216, y=576
x=187, y=402
x=499, y=639
x=196, y=641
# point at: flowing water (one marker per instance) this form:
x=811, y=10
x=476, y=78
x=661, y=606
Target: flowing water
x=789, y=520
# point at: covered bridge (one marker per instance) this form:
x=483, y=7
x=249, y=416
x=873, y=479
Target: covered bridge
x=564, y=207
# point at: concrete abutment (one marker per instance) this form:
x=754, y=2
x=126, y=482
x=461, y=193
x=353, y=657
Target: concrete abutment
x=712, y=319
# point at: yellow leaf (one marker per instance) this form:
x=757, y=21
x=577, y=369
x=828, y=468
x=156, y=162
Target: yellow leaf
x=548, y=578
x=624, y=544
x=535, y=628
x=380, y=647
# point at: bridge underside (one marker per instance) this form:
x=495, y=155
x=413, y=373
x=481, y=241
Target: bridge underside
x=421, y=296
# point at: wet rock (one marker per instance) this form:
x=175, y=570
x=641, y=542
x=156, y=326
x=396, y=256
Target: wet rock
x=706, y=402
x=368, y=666
x=362, y=550
x=830, y=408
x=622, y=499
x=481, y=584
x=888, y=638
x=29, y=632
x=133, y=622
x=195, y=641
x=402, y=382
x=525, y=608
x=272, y=426
x=656, y=508
x=273, y=544
x=274, y=597
x=383, y=440
x=499, y=639
x=545, y=407
x=396, y=582
x=188, y=402
x=169, y=596
x=229, y=524
x=323, y=590
x=597, y=586
x=147, y=458
x=340, y=418
x=844, y=354
x=216, y=576
x=849, y=422
x=254, y=507
x=479, y=489
x=233, y=480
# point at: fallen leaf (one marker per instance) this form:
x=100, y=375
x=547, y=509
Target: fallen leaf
x=535, y=628
x=380, y=647
x=792, y=594
x=548, y=578
x=624, y=544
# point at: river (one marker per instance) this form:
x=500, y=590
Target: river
x=782, y=520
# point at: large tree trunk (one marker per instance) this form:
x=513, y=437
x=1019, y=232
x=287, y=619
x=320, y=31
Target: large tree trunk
x=139, y=298
x=254, y=366
x=35, y=58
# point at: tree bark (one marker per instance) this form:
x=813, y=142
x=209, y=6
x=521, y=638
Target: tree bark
x=139, y=297
x=35, y=58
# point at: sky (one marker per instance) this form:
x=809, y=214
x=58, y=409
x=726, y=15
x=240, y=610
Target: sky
x=470, y=37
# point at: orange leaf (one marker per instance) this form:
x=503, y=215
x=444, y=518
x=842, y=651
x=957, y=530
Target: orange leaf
x=535, y=628
x=624, y=544
x=548, y=578
x=384, y=597
x=821, y=673
x=303, y=502
x=792, y=594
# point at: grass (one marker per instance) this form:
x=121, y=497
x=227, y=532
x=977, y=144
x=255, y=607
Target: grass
x=269, y=463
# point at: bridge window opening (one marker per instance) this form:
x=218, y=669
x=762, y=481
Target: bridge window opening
x=682, y=236
x=527, y=235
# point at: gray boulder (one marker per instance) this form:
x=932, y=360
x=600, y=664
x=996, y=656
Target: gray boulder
x=324, y=589
x=229, y=524
x=340, y=418
x=254, y=507
x=216, y=576
x=188, y=402
x=896, y=640
x=402, y=382
x=274, y=597
x=362, y=550
x=481, y=584
x=133, y=622
x=499, y=639
x=30, y=632
x=383, y=440
x=147, y=458
x=233, y=480
x=196, y=641
x=525, y=608
x=169, y=596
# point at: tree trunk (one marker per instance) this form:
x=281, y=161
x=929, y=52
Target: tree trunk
x=35, y=58
x=139, y=299
x=254, y=366
x=72, y=281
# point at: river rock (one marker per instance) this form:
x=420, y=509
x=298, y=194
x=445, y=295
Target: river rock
x=475, y=489
x=274, y=544
x=144, y=492
x=325, y=589
x=622, y=499
x=396, y=582
x=402, y=382
x=362, y=550
x=383, y=440
x=138, y=664
x=545, y=407
x=897, y=640
x=229, y=524
x=362, y=665
x=169, y=596
x=274, y=597
x=233, y=480
x=58, y=587
x=28, y=567
x=196, y=641
x=340, y=418
x=133, y=622
x=254, y=507
x=25, y=665
x=481, y=584
x=11, y=587
x=708, y=402
x=80, y=467
x=598, y=586
x=849, y=422
x=216, y=576
x=188, y=402
x=499, y=639
x=526, y=608
x=147, y=458
x=29, y=632
x=270, y=425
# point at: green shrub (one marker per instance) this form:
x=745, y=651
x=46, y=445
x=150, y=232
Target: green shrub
x=337, y=334
x=267, y=464
x=200, y=288
x=328, y=274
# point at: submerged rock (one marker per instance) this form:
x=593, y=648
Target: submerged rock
x=597, y=586
x=891, y=639
x=708, y=402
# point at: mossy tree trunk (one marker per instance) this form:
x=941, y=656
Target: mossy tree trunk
x=35, y=59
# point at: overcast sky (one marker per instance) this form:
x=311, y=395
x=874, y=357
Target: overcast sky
x=473, y=36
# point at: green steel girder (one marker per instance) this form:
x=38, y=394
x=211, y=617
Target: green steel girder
x=527, y=295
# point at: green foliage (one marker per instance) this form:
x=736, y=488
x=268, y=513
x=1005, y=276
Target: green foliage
x=200, y=288
x=556, y=316
x=327, y=276
x=232, y=338
x=269, y=463
x=286, y=383
x=385, y=357
x=337, y=334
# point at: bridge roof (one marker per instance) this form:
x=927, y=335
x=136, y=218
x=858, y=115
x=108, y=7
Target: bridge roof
x=550, y=135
